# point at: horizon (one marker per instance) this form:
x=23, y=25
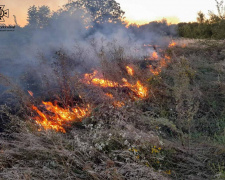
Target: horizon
x=138, y=13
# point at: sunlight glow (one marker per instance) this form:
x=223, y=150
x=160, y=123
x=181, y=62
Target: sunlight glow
x=140, y=12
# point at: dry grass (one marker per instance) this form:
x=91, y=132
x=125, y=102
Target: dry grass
x=169, y=135
x=99, y=151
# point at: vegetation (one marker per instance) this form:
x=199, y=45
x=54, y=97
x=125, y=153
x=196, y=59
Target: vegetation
x=154, y=116
x=211, y=28
x=178, y=132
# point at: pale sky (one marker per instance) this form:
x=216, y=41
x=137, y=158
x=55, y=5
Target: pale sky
x=138, y=11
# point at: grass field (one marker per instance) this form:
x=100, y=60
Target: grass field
x=177, y=131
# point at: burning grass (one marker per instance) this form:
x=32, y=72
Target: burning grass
x=61, y=116
x=123, y=119
x=56, y=117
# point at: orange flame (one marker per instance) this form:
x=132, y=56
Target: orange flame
x=57, y=117
x=104, y=83
x=162, y=63
x=91, y=79
x=130, y=71
x=155, y=71
x=109, y=95
x=172, y=44
x=118, y=104
x=168, y=58
x=155, y=55
x=138, y=88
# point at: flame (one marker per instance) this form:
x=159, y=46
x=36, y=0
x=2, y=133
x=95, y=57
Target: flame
x=168, y=57
x=155, y=55
x=104, y=83
x=141, y=90
x=91, y=79
x=118, y=104
x=138, y=88
x=130, y=71
x=155, y=71
x=172, y=44
x=53, y=116
x=57, y=117
x=31, y=93
x=109, y=95
x=162, y=63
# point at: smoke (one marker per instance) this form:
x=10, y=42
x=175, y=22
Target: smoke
x=78, y=37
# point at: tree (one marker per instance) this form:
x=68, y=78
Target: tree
x=101, y=11
x=38, y=17
x=44, y=15
x=201, y=17
x=220, y=9
x=214, y=18
x=32, y=16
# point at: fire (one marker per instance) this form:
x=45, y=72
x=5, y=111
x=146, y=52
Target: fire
x=138, y=88
x=162, y=63
x=52, y=116
x=104, y=83
x=172, y=44
x=168, y=57
x=154, y=71
x=141, y=90
x=109, y=95
x=118, y=104
x=57, y=117
x=115, y=103
x=92, y=79
x=130, y=71
x=155, y=55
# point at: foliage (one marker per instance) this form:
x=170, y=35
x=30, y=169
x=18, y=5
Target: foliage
x=211, y=28
x=38, y=17
x=101, y=11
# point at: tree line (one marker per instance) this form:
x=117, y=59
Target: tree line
x=212, y=27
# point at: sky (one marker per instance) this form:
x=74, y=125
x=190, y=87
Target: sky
x=136, y=11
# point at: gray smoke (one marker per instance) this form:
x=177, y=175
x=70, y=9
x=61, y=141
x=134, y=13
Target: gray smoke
x=79, y=38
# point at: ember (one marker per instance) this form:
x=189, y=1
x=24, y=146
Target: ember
x=31, y=93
